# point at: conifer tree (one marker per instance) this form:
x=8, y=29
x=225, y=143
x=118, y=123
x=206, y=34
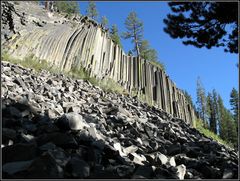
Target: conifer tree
x=223, y=119
x=69, y=7
x=234, y=101
x=212, y=110
x=104, y=21
x=114, y=35
x=92, y=10
x=228, y=131
x=134, y=31
x=201, y=102
x=146, y=52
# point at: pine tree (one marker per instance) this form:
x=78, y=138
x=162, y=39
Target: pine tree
x=189, y=99
x=234, y=101
x=92, y=10
x=146, y=52
x=69, y=7
x=223, y=119
x=228, y=131
x=134, y=31
x=212, y=110
x=104, y=21
x=201, y=101
x=114, y=35
x=202, y=24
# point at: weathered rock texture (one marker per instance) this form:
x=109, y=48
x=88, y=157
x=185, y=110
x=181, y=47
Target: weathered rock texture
x=57, y=127
x=84, y=43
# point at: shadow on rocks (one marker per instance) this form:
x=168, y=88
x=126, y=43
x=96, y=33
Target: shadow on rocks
x=35, y=146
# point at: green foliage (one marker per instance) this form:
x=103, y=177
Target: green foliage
x=158, y=64
x=146, y=52
x=110, y=85
x=188, y=97
x=114, y=35
x=227, y=126
x=150, y=54
x=107, y=85
x=69, y=7
x=92, y=10
x=204, y=24
x=200, y=127
x=104, y=21
x=212, y=110
x=234, y=101
x=29, y=62
x=134, y=30
x=201, y=101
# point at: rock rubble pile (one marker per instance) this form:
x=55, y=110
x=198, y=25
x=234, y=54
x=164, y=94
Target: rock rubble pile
x=58, y=127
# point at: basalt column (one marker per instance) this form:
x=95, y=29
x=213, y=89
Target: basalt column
x=89, y=46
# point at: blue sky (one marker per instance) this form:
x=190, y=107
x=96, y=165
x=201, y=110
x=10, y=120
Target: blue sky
x=183, y=64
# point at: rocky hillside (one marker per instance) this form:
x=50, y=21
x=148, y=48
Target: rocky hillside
x=80, y=42
x=57, y=127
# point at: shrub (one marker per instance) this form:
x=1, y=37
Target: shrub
x=208, y=133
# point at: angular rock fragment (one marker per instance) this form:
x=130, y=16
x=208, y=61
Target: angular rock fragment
x=181, y=171
x=44, y=166
x=15, y=167
x=143, y=172
x=78, y=168
x=72, y=121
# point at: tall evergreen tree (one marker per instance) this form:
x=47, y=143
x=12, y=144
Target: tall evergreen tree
x=92, y=10
x=104, y=21
x=223, y=119
x=114, y=35
x=212, y=110
x=228, y=131
x=134, y=31
x=234, y=101
x=201, y=101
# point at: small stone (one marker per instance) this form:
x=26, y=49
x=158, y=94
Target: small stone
x=161, y=158
x=45, y=167
x=227, y=174
x=143, y=172
x=130, y=149
x=78, y=168
x=181, y=171
x=118, y=147
x=14, y=167
x=59, y=139
x=47, y=146
x=137, y=158
x=73, y=121
x=172, y=162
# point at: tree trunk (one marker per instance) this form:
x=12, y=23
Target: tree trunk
x=136, y=41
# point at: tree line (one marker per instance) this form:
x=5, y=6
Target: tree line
x=215, y=116
x=134, y=28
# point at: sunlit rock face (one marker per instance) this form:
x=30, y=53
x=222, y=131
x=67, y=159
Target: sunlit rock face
x=81, y=42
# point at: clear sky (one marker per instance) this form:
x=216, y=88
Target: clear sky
x=183, y=64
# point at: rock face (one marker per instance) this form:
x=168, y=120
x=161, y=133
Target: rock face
x=83, y=43
x=109, y=136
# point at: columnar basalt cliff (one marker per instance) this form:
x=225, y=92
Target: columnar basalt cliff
x=77, y=130
x=84, y=43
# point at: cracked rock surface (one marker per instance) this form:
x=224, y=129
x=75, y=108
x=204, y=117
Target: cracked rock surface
x=58, y=127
